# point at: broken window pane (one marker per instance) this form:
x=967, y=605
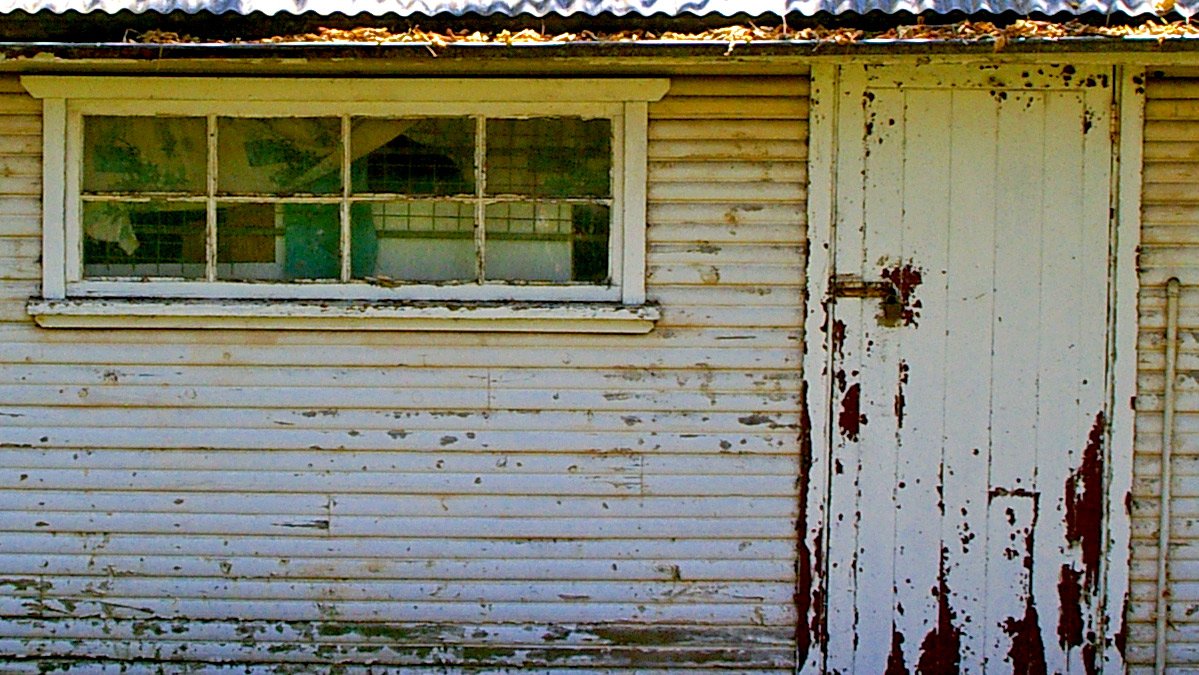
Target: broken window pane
x=433, y=156
x=547, y=241
x=148, y=239
x=278, y=156
x=278, y=242
x=549, y=157
x=144, y=154
x=250, y=243
x=417, y=241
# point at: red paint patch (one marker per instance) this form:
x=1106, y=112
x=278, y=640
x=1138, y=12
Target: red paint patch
x=851, y=419
x=839, y=338
x=1084, y=504
x=1088, y=658
x=809, y=597
x=900, y=401
x=819, y=622
x=940, y=652
x=803, y=561
x=895, y=664
x=905, y=279
x=1027, y=652
x=1069, y=593
x=803, y=604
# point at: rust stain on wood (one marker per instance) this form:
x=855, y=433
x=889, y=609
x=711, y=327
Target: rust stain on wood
x=940, y=652
x=851, y=419
x=1084, y=504
x=906, y=278
x=900, y=401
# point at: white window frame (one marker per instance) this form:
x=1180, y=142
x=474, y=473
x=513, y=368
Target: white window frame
x=67, y=99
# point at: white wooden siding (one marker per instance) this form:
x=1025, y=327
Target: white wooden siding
x=1169, y=247
x=543, y=500
x=20, y=199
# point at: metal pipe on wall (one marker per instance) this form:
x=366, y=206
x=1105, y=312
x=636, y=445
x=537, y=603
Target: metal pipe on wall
x=1167, y=451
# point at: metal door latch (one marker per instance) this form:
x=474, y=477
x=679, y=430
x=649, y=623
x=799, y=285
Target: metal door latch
x=854, y=286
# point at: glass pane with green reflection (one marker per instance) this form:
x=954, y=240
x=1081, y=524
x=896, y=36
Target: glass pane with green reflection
x=549, y=157
x=278, y=155
x=311, y=239
x=415, y=241
x=430, y=156
x=144, y=154
x=250, y=242
x=278, y=242
x=547, y=241
x=144, y=239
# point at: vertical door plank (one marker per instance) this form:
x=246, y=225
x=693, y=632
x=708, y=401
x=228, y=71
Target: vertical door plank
x=886, y=182
x=1093, y=311
x=970, y=232
x=1014, y=624
x=1060, y=422
x=919, y=479
x=1019, y=291
x=846, y=352
x=810, y=578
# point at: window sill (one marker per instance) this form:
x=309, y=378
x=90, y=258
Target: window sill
x=391, y=316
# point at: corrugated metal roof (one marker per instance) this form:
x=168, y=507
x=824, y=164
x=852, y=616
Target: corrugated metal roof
x=590, y=7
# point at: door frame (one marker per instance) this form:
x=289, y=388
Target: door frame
x=812, y=529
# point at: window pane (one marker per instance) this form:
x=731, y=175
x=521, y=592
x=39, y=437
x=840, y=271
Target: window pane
x=434, y=156
x=250, y=244
x=280, y=155
x=549, y=157
x=547, y=241
x=148, y=239
x=143, y=154
x=278, y=242
x=415, y=241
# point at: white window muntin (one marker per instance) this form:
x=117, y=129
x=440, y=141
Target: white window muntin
x=77, y=286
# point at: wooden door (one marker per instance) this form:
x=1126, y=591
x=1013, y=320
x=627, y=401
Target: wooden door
x=968, y=334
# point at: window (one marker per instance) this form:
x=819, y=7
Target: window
x=391, y=197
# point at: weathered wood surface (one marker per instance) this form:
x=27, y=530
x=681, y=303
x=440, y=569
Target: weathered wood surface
x=966, y=423
x=582, y=501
